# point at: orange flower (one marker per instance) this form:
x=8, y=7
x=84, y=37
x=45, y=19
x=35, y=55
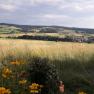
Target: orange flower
x=15, y=63
x=81, y=92
x=35, y=88
x=34, y=91
x=4, y=91
x=22, y=82
x=6, y=72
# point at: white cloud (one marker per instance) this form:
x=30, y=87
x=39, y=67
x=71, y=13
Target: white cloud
x=60, y=12
x=30, y=2
x=7, y=7
x=64, y=20
x=79, y=5
x=50, y=2
x=54, y=16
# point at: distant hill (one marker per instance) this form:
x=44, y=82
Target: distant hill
x=13, y=28
x=6, y=29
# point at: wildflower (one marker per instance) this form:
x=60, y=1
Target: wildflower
x=16, y=63
x=35, y=88
x=22, y=82
x=34, y=91
x=6, y=72
x=4, y=91
x=81, y=92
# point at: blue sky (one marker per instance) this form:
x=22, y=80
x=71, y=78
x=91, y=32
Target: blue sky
x=74, y=13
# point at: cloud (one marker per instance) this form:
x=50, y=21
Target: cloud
x=78, y=5
x=54, y=16
x=53, y=12
x=49, y=2
x=7, y=7
x=29, y=2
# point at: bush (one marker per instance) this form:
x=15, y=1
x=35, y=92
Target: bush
x=44, y=73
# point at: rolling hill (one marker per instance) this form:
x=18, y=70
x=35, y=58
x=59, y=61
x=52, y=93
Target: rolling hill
x=14, y=28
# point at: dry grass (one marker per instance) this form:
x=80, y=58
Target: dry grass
x=52, y=50
x=74, y=61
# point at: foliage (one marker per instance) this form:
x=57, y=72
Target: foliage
x=43, y=72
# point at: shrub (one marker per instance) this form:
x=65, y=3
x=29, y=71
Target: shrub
x=43, y=72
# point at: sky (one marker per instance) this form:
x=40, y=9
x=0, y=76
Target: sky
x=73, y=13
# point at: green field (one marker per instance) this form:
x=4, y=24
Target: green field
x=9, y=30
x=73, y=63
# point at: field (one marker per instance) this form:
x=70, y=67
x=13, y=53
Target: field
x=72, y=63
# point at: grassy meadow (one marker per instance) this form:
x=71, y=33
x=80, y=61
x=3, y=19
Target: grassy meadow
x=74, y=63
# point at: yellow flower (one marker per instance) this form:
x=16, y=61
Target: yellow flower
x=6, y=72
x=16, y=63
x=35, y=88
x=21, y=82
x=4, y=76
x=34, y=91
x=4, y=91
x=81, y=92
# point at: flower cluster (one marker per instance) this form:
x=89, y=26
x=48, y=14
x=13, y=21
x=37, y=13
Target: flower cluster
x=15, y=75
x=82, y=92
x=35, y=88
x=22, y=82
x=12, y=75
x=4, y=91
x=6, y=72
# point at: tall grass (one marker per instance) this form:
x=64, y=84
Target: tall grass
x=74, y=62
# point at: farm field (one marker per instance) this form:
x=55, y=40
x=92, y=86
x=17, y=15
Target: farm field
x=22, y=60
